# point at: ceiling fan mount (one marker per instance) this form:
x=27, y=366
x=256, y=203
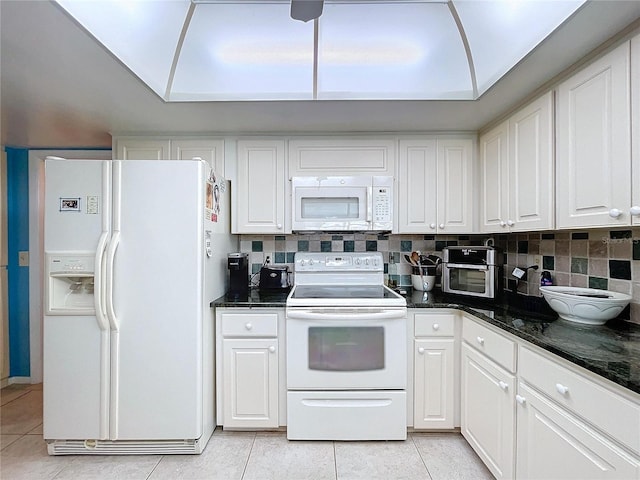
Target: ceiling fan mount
x=305, y=10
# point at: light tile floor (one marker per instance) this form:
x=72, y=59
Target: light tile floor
x=231, y=455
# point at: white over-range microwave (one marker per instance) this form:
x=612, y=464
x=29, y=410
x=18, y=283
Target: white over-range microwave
x=347, y=203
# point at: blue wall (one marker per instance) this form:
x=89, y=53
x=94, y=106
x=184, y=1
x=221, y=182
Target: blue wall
x=18, y=240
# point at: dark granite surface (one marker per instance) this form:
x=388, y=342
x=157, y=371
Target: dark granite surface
x=611, y=350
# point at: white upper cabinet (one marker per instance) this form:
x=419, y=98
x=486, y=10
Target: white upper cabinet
x=635, y=128
x=455, y=185
x=209, y=150
x=342, y=156
x=417, y=186
x=494, y=179
x=260, y=189
x=142, y=149
x=516, y=163
x=593, y=185
x=435, y=190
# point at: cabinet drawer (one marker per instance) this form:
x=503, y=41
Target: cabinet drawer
x=497, y=347
x=603, y=408
x=249, y=325
x=434, y=324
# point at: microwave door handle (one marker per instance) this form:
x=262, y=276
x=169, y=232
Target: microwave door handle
x=369, y=204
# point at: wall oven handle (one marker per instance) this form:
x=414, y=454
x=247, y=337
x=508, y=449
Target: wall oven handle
x=341, y=316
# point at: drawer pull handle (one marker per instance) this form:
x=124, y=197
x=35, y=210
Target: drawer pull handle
x=436, y=326
x=480, y=340
x=562, y=389
x=521, y=400
x=248, y=326
x=421, y=350
x=503, y=385
x=272, y=349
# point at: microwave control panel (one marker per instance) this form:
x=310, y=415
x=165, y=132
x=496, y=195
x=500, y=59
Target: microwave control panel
x=382, y=204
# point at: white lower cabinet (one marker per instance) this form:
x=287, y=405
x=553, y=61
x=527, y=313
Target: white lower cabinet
x=250, y=383
x=249, y=368
x=553, y=444
x=435, y=371
x=488, y=411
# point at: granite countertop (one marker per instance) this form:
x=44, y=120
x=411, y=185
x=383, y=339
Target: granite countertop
x=611, y=350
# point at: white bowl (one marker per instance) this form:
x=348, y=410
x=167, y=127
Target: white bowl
x=589, y=306
x=424, y=284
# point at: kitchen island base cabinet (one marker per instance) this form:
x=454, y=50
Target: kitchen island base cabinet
x=488, y=412
x=552, y=443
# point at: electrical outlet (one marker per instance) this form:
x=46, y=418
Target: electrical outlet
x=537, y=260
x=23, y=259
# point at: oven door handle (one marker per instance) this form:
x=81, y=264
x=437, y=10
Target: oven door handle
x=341, y=316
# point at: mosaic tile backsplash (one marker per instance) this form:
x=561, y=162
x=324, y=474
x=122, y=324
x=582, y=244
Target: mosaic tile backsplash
x=605, y=259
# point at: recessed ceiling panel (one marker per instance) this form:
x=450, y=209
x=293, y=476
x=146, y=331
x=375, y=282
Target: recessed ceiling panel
x=402, y=50
x=250, y=51
x=503, y=32
x=141, y=34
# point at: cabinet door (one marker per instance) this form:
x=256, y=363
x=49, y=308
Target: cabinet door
x=142, y=149
x=552, y=443
x=342, y=156
x=455, y=186
x=531, y=191
x=593, y=144
x=635, y=128
x=494, y=179
x=211, y=151
x=433, y=383
x=250, y=388
x=417, y=186
x=260, y=187
x=488, y=412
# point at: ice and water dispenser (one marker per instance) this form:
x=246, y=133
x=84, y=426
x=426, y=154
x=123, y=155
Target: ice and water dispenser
x=70, y=282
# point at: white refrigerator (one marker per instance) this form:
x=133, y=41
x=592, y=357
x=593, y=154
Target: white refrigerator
x=135, y=251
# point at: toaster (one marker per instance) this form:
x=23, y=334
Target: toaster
x=274, y=278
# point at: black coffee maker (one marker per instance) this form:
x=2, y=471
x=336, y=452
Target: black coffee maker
x=238, y=264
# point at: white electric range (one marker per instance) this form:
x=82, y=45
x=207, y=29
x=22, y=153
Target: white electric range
x=346, y=350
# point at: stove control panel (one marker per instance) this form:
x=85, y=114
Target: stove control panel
x=337, y=262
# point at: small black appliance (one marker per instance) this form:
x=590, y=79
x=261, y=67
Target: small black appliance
x=238, y=264
x=274, y=277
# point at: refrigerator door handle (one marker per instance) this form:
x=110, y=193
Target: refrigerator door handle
x=111, y=254
x=99, y=297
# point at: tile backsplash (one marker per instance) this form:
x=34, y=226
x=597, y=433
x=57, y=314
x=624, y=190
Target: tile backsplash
x=602, y=258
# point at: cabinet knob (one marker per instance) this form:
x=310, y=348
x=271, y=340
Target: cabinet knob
x=421, y=350
x=272, y=349
x=279, y=226
x=503, y=223
x=615, y=213
x=563, y=390
x=248, y=326
x=436, y=326
x=503, y=385
x=480, y=340
x=511, y=223
x=441, y=226
x=521, y=400
x=432, y=226
x=635, y=210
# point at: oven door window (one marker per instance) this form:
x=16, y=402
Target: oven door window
x=346, y=349
x=468, y=280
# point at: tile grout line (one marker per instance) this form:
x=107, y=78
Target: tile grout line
x=246, y=463
x=420, y=455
